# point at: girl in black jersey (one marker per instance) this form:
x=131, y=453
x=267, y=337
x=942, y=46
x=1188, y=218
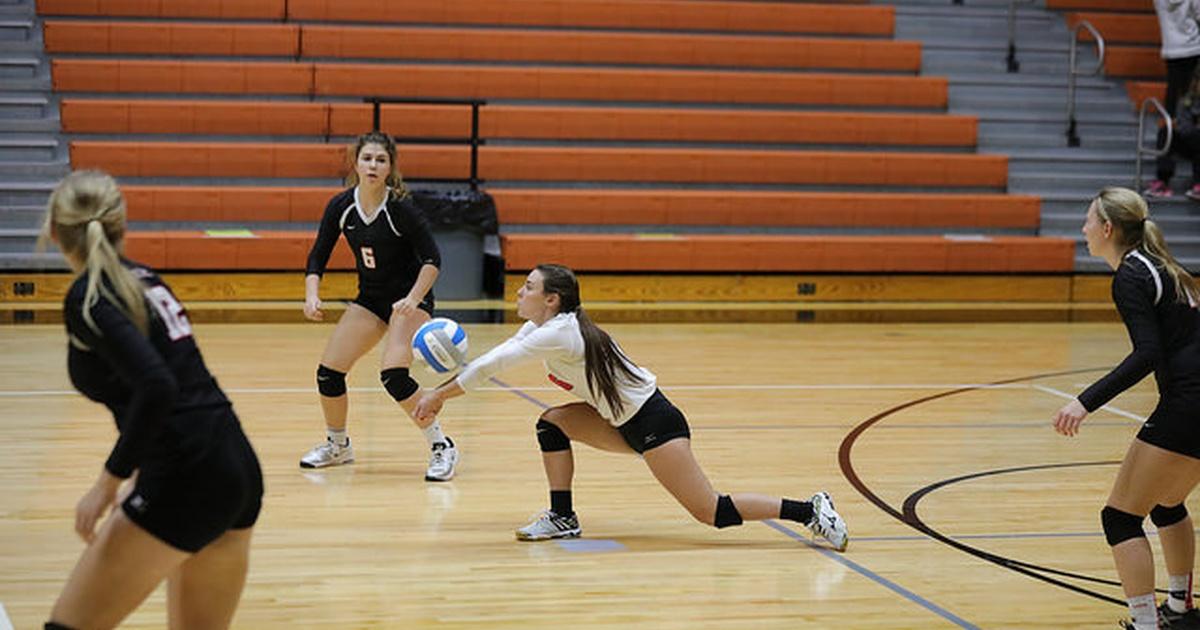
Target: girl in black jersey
x=397, y=262
x=1156, y=299
x=198, y=487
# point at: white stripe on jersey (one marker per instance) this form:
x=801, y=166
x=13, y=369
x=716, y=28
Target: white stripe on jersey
x=1158, y=285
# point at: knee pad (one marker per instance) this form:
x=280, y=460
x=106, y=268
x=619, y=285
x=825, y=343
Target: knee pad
x=1120, y=526
x=727, y=514
x=330, y=382
x=1166, y=516
x=551, y=438
x=398, y=383
x=50, y=625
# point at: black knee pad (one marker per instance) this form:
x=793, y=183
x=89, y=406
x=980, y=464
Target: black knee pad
x=1120, y=526
x=1167, y=516
x=551, y=438
x=727, y=514
x=330, y=382
x=398, y=383
x=50, y=625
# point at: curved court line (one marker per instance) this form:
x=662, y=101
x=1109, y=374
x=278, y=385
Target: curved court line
x=903, y=515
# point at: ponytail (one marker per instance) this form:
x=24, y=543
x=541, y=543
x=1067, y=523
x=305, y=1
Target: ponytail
x=1186, y=289
x=86, y=214
x=104, y=261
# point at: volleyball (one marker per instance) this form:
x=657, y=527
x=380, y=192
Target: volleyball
x=442, y=343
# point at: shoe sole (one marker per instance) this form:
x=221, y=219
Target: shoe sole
x=313, y=466
x=571, y=534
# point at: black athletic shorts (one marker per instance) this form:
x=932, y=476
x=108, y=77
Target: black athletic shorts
x=192, y=504
x=655, y=424
x=1174, y=426
x=381, y=304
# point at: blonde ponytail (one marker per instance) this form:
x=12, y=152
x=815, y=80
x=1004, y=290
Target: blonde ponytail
x=86, y=215
x=1186, y=289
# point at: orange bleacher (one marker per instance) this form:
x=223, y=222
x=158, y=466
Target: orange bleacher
x=294, y=61
x=631, y=14
x=515, y=121
x=356, y=42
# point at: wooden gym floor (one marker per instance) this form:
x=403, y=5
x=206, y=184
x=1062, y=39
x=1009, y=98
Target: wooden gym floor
x=965, y=508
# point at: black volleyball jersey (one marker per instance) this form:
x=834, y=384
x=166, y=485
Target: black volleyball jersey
x=389, y=249
x=1163, y=331
x=166, y=404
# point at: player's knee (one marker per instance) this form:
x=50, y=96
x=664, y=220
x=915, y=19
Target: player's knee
x=398, y=383
x=1163, y=516
x=330, y=382
x=1120, y=526
x=551, y=439
x=727, y=514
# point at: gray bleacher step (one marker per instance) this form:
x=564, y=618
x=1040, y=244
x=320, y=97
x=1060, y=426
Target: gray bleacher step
x=1032, y=161
x=1056, y=88
x=1057, y=126
x=551, y=228
x=25, y=193
x=18, y=240
x=1066, y=203
x=35, y=84
x=1002, y=142
x=1064, y=223
x=16, y=30
x=24, y=107
x=19, y=148
x=1082, y=118
x=17, y=66
x=30, y=125
x=38, y=170
x=1083, y=184
x=1023, y=80
x=22, y=217
x=13, y=261
x=1043, y=102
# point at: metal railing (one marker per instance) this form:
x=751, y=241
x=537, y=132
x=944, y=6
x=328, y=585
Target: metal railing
x=1072, y=72
x=474, y=140
x=1142, y=149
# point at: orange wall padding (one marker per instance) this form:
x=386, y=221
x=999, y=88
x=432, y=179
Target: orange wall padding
x=608, y=252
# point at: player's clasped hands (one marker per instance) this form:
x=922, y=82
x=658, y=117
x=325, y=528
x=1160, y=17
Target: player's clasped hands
x=1068, y=419
x=428, y=407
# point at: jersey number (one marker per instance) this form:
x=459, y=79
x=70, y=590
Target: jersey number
x=171, y=312
x=368, y=256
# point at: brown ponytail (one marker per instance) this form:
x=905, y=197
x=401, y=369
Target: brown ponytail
x=604, y=362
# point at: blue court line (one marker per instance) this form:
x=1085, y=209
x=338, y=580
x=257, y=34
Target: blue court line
x=875, y=577
x=589, y=545
x=832, y=555
x=519, y=393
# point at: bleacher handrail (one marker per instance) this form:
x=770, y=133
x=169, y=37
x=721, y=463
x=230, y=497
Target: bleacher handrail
x=377, y=102
x=1142, y=149
x=1072, y=72
x=1011, y=60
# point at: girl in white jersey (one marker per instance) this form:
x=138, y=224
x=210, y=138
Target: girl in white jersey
x=622, y=411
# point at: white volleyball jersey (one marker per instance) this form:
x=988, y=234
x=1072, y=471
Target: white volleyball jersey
x=559, y=344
